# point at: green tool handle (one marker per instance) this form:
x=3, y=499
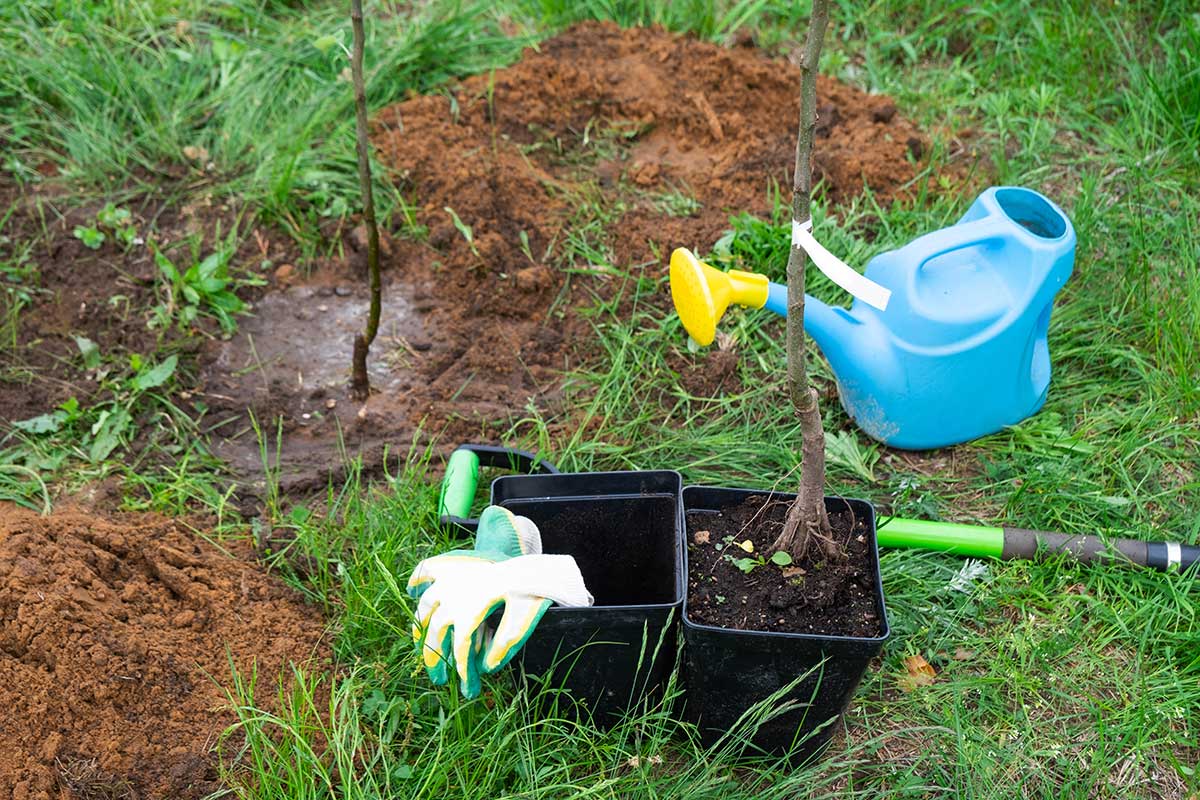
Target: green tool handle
x=1017, y=543
x=462, y=478
x=459, y=484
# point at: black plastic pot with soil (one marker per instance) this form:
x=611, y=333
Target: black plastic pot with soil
x=752, y=626
x=625, y=530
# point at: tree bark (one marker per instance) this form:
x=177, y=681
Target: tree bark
x=807, y=523
x=360, y=381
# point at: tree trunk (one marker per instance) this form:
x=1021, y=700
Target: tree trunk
x=807, y=523
x=360, y=382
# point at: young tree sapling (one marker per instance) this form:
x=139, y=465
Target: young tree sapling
x=807, y=526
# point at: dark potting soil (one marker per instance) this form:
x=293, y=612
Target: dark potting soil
x=812, y=596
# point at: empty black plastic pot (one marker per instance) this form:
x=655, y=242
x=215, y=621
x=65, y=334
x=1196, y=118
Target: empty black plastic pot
x=625, y=531
x=726, y=671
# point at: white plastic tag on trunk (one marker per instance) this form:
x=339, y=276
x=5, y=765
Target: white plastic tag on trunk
x=861, y=287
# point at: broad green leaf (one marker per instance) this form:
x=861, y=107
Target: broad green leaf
x=227, y=301
x=46, y=423
x=211, y=285
x=210, y=265
x=165, y=266
x=89, y=350
x=108, y=432
x=745, y=564
x=781, y=558
x=156, y=376
x=111, y=216
x=91, y=237
x=100, y=421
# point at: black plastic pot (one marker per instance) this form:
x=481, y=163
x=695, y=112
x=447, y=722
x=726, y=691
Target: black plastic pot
x=625, y=530
x=726, y=671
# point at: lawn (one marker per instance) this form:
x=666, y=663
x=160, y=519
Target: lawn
x=224, y=126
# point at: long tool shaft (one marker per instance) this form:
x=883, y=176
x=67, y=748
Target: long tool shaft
x=1017, y=543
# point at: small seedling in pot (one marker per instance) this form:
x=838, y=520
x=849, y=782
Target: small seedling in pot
x=748, y=564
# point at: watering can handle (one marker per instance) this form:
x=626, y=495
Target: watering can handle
x=955, y=237
x=462, y=478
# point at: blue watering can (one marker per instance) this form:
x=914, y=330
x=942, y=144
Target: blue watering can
x=959, y=349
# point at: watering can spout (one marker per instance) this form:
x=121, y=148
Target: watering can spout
x=702, y=293
x=829, y=327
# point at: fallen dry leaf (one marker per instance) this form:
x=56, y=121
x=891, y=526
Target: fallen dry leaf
x=701, y=537
x=791, y=572
x=963, y=654
x=918, y=672
x=195, y=153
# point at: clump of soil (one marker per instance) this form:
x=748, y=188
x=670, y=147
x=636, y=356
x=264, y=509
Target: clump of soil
x=811, y=596
x=111, y=636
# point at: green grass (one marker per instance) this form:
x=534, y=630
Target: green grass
x=249, y=96
x=1054, y=680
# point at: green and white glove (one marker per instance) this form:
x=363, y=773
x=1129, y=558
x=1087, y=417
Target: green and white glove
x=459, y=590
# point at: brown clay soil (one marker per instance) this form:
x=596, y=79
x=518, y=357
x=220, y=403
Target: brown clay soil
x=811, y=596
x=620, y=123
x=112, y=633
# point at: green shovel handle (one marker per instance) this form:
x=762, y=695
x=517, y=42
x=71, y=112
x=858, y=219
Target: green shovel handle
x=462, y=479
x=1017, y=543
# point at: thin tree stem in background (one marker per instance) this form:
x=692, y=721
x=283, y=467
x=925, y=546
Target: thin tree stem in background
x=360, y=382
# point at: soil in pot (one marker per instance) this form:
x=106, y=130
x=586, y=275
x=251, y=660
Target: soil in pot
x=811, y=596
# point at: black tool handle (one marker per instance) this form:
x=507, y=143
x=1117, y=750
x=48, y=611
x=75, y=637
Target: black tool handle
x=1022, y=543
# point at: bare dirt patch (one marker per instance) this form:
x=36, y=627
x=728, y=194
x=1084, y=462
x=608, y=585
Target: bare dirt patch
x=112, y=633
x=566, y=177
x=543, y=186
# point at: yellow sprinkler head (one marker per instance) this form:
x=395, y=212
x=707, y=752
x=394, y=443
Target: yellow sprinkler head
x=702, y=293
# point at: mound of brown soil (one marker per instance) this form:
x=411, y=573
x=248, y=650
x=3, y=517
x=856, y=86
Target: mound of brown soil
x=111, y=635
x=542, y=186
x=681, y=115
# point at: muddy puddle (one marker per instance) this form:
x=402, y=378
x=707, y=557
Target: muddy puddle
x=289, y=364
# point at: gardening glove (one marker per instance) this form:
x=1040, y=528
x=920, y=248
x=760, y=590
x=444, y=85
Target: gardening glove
x=459, y=590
